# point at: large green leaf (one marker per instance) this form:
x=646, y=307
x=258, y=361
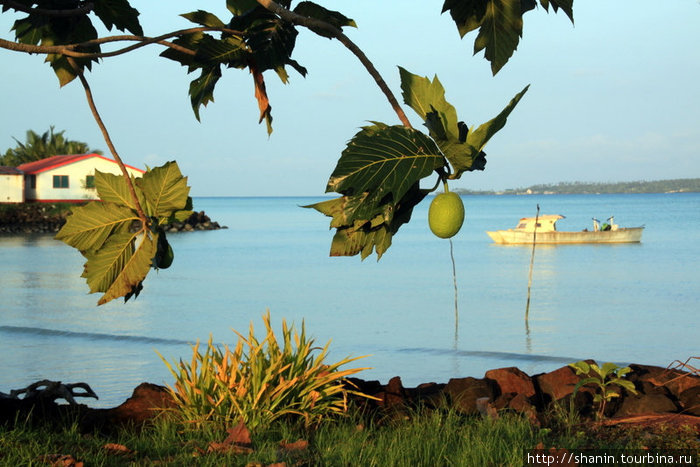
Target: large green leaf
x=230, y=51
x=425, y=97
x=378, y=174
x=121, y=265
x=119, y=248
x=462, y=148
x=353, y=237
x=46, y=30
x=385, y=159
x=165, y=189
x=89, y=226
x=113, y=188
x=499, y=22
x=500, y=32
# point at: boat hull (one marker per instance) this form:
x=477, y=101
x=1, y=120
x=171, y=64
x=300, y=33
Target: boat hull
x=516, y=237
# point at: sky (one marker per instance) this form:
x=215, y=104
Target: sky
x=613, y=97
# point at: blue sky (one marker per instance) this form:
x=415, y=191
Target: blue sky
x=614, y=97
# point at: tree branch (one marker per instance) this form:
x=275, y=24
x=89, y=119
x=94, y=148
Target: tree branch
x=69, y=49
x=81, y=10
x=105, y=134
x=338, y=34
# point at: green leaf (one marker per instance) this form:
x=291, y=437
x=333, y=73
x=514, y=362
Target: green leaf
x=581, y=368
x=385, y=159
x=315, y=11
x=58, y=30
x=378, y=173
x=188, y=41
x=499, y=22
x=121, y=265
x=270, y=39
x=202, y=88
x=230, y=51
x=204, y=18
x=240, y=7
x=89, y=226
x=119, y=257
x=462, y=148
x=566, y=5
x=629, y=385
x=467, y=14
x=607, y=369
x=31, y=29
x=623, y=371
x=500, y=32
x=483, y=134
x=113, y=188
x=120, y=14
x=585, y=381
x=165, y=189
x=360, y=236
x=425, y=97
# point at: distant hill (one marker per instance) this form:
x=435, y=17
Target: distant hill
x=564, y=188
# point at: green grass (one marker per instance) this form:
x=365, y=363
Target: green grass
x=416, y=438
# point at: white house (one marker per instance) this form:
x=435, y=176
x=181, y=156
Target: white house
x=11, y=185
x=67, y=178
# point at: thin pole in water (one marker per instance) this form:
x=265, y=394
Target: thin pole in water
x=454, y=279
x=532, y=262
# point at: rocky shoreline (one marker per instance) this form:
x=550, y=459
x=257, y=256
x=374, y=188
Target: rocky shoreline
x=30, y=218
x=664, y=396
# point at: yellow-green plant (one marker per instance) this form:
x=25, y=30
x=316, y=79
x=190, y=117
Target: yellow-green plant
x=605, y=378
x=261, y=381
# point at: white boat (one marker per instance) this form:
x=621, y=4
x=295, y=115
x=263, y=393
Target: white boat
x=543, y=230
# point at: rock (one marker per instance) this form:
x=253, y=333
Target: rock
x=690, y=401
x=675, y=380
x=650, y=399
x=464, y=392
x=558, y=384
x=486, y=408
x=511, y=381
x=394, y=394
x=428, y=394
x=147, y=402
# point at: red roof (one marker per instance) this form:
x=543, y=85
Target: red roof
x=4, y=170
x=58, y=161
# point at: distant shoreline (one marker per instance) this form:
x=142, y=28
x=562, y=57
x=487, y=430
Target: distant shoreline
x=684, y=185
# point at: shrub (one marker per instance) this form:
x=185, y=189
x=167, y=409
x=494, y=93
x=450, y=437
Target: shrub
x=259, y=382
x=607, y=380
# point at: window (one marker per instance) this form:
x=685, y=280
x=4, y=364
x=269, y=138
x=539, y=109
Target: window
x=32, y=182
x=90, y=181
x=60, y=181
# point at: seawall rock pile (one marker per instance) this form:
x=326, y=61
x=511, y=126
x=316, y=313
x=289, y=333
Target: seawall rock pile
x=667, y=396
x=30, y=218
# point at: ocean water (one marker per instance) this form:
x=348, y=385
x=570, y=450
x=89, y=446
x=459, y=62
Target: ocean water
x=622, y=303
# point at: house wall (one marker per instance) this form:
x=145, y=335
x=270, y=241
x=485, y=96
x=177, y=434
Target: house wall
x=11, y=188
x=77, y=173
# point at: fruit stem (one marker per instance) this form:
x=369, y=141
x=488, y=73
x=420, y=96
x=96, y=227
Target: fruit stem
x=445, y=187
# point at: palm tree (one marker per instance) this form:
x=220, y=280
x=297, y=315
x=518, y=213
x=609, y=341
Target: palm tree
x=38, y=147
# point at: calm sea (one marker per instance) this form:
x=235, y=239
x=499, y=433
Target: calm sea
x=622, y=303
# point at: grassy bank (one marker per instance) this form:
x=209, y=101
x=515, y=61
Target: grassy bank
x=416, y=438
